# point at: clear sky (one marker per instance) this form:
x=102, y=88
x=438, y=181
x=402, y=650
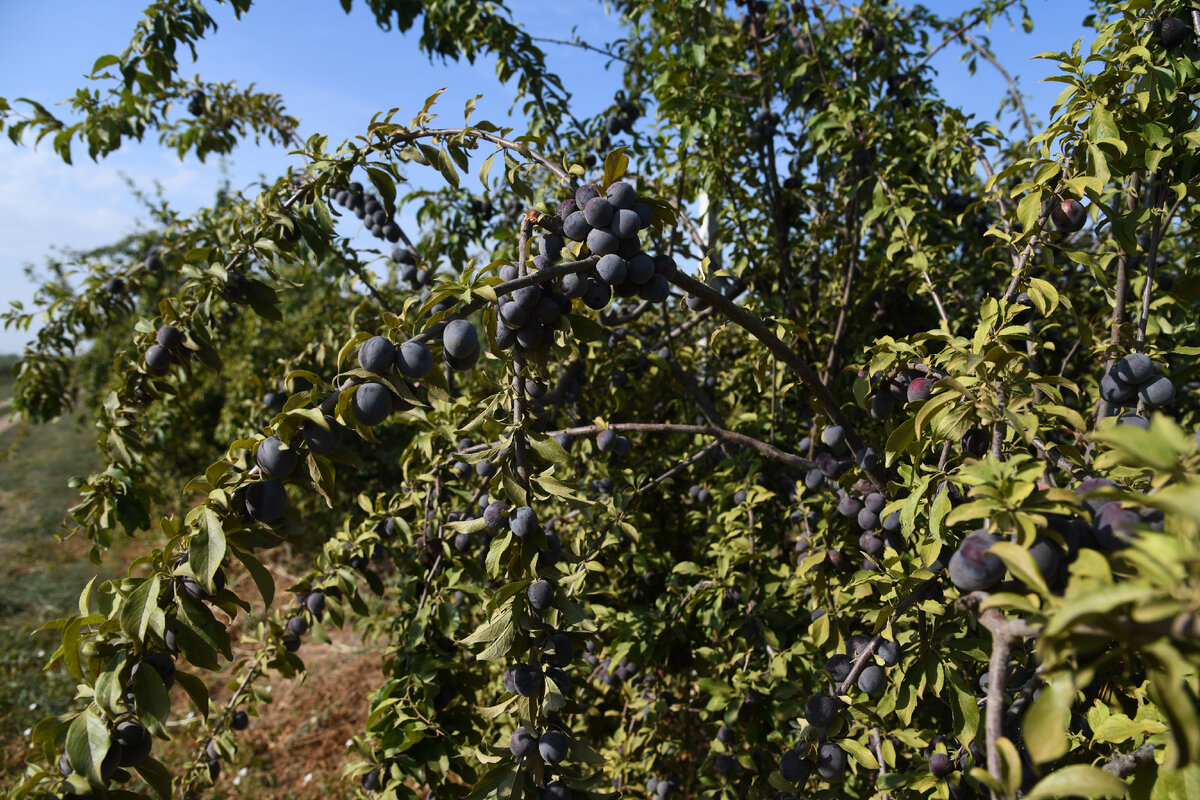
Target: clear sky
x=334, y=71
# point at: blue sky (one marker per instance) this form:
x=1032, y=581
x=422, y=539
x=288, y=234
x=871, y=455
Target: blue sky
x=334, y=71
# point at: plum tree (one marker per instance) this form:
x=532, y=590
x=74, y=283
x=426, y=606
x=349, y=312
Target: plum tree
x=760, y=288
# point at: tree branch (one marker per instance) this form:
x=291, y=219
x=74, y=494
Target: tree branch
x=759, y=330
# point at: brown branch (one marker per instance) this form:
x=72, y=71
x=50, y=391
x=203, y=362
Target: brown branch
x=742, y=439
x=1023, y=259
x=1012, y=85
x=757, y=328
x=1129, y=762
x=508, y=144
x=860, y=663
x=958, y=33
x=520, y=459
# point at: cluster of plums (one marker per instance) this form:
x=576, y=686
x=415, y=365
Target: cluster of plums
x=1111, y=527
x=418, y=277
x=370, y=210
x=823, y=712
x=1134, y=379
x=609, y=224
x=168, y=339
x=624, y=117
x=905, y=387
x=312, y=603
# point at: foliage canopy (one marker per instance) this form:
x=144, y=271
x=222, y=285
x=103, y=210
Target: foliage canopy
x=892, y=498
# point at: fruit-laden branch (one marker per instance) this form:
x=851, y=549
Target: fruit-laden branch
x=759, y=330
x=518, y=367
x=868, y=651
x=770, y=451
x=540, y=276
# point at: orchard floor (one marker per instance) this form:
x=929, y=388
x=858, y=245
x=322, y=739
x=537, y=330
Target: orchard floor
x=295, y=746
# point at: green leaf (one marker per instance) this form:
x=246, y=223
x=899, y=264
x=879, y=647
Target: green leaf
x=1092, y=604
x=151, y=697
x=548, y=448
x=861, y=754
x=1078, y=780
x=87, y=743
x=503, y=643
x=1021, y=564
x=196, y=689
x=262, y=577
x=963, y=707
x=156, y=776
x=104, y=61
x=386, y=185
x=207, y=549
x=140, y=611
x=1044, y=728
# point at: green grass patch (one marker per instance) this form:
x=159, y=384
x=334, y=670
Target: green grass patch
x=40, y=576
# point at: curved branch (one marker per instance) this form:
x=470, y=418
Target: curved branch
x=757, y=328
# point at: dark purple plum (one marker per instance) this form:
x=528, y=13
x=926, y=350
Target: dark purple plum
x=523, y=522
x=540, y=594
x=274, y=459
x=377, y=355
x=322, y=441
x=1157, y=391
x=972, y=567
x=1068, y=215
x=602, y=242
x=822, y=709
x=266, y=501
x=371, y=404
x=169, y=337
x=460, y=339
x=522, y=742
x=831, y=761
x=1135, y=368
x=552, y=746
x=158, y=359
x=414, y=360
x=871, y=679
x=621, y=194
